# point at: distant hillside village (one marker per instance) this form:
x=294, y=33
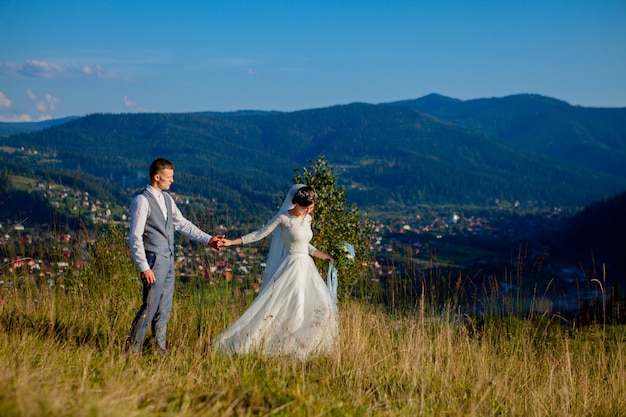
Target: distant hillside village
x=50, y=253
x=79, y=201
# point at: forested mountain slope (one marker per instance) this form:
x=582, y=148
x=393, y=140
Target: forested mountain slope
x=592, y=138
x=388, y=157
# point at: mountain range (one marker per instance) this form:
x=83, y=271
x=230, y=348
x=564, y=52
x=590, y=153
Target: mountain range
x=528, y=149
x=524, y=153
x=591, y=138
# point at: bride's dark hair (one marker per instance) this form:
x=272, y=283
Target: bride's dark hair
x=305, y=196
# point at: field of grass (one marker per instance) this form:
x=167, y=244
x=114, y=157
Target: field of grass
x=21, y=183
x=61, y=354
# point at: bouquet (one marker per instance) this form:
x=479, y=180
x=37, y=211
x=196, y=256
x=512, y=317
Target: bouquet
x=345, y=258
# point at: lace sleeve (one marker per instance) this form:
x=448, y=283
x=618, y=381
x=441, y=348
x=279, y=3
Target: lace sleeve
x=263, y=232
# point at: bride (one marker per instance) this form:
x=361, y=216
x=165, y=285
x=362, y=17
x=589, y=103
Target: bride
x=293, y=314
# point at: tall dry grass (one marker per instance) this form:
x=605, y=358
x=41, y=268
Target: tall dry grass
x=61, y=354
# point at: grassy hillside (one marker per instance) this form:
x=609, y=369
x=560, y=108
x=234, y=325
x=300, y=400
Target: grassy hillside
x=61, y=355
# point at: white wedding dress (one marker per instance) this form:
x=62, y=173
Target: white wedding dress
x=293, y=314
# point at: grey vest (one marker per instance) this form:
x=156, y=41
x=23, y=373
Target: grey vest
x=158, y=235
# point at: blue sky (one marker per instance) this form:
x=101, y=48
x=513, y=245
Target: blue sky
x=76, y=57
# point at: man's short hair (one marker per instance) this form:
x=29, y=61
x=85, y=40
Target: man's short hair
x=159, y=164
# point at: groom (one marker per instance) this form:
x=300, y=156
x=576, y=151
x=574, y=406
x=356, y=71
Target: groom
x=153, y=219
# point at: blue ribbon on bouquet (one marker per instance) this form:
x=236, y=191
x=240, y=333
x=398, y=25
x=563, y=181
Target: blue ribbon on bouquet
x=331, y=281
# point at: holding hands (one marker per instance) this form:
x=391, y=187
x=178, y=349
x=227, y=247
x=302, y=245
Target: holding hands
x=216, y=242
x=220, y=241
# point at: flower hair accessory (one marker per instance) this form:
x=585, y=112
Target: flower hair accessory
x=306, y=194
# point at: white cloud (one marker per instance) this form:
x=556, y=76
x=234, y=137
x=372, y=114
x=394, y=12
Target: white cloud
x=101, y=73
x=43, y=69
x=131, y=104
x=52, y=101
x=23, y=118
x=48, y=103
x=134, y=106
x=4, y=102
x=14, y=119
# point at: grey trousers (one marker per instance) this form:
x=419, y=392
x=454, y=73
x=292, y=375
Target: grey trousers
x=156, y=305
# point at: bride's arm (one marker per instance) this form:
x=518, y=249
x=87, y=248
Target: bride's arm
x=257, y=234
x=321, y=255
x=231, y=242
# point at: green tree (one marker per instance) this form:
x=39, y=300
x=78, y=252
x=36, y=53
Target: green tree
x=336, y=223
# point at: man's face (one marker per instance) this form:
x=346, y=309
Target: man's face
x=164, y=178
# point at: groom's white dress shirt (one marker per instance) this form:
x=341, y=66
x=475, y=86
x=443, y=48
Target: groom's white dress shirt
x=139, y=212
